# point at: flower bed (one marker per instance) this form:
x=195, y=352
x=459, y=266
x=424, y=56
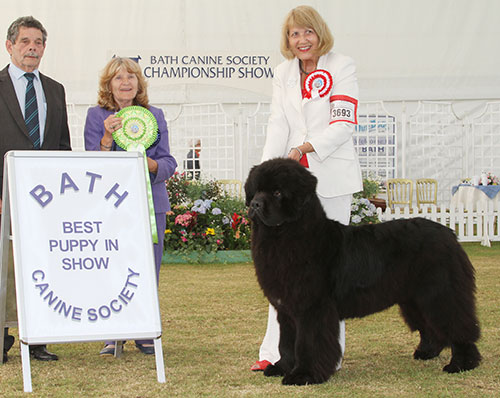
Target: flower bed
x=203, y=220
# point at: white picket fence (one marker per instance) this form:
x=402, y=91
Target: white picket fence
x=470, y=225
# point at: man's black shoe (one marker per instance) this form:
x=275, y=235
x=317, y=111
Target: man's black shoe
x=40, y=352
x=8, y=341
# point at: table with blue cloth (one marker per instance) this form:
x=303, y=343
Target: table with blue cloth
x=477, y=196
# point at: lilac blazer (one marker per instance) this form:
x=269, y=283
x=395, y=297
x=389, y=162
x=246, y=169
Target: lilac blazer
x=94, y=131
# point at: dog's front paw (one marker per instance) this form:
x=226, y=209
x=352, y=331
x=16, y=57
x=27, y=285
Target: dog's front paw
x=425, y=355
x=300, y=379
x=452, y=368
x=273, y=370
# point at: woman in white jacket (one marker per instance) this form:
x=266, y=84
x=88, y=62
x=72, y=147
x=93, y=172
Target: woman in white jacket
x=313, y=114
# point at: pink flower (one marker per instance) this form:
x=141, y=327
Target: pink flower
x=185, y=219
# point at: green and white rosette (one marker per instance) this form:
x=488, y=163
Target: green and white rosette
x=139, y=131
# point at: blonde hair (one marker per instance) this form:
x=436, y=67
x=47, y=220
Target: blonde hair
x=306, y=17
x=105, y=97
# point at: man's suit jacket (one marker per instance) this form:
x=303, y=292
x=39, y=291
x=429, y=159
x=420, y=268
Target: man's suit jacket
x=13, y=132
x=295, y=120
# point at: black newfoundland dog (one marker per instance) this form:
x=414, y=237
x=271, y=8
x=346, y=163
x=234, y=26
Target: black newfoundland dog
x=315, y=271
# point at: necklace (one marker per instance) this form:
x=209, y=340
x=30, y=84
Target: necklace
x=301, y=68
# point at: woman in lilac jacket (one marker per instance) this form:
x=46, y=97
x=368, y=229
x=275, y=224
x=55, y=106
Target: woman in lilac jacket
x=122, y=84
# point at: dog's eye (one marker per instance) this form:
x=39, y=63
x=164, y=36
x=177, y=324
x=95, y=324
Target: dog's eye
x=277, y=194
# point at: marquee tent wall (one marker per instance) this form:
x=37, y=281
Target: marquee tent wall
x=209, y=65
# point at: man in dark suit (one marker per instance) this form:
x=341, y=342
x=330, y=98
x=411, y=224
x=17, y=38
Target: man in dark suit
x=46, y=124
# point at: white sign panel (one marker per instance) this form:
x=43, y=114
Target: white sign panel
x=83, y=250
x=236, y=70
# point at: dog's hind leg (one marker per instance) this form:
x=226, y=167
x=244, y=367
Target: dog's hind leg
x=465, y=356
x=451, y=316
x=448, y=321
x=429, y=346
x=463, y=334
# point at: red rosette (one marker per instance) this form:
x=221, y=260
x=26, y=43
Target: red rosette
x=318, y=83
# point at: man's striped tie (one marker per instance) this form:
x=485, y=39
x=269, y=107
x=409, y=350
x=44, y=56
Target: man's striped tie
x=31, y=112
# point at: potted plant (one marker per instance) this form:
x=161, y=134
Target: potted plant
x=372, y=185
x=370, y=188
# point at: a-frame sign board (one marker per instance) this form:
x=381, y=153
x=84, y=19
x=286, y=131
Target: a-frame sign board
x=83, y=251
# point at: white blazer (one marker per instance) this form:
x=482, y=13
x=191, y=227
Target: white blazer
x=326, y=122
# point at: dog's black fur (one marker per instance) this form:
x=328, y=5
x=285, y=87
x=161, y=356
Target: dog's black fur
x=315, y=271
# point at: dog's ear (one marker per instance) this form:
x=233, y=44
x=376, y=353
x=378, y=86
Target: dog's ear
x=312, y=182
x=250, y=186
x=307, y=182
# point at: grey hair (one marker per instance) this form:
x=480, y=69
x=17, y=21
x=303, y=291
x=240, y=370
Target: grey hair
x=26, y=22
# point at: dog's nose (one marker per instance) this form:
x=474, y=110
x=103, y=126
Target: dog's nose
x=255, y=203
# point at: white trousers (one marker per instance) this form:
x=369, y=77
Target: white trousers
x=339, y=209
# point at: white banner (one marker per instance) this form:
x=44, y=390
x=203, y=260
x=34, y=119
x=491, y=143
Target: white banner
x=165, y=70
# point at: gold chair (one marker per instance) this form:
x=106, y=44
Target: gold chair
x=426, y=191
x=399, y=192
x=231, y=187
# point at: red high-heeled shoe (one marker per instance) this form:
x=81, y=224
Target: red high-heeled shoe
x=260, y=365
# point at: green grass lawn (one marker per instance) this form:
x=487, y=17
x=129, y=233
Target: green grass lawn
x=214, y=317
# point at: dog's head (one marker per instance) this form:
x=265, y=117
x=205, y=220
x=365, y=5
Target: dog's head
x=277, y=191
